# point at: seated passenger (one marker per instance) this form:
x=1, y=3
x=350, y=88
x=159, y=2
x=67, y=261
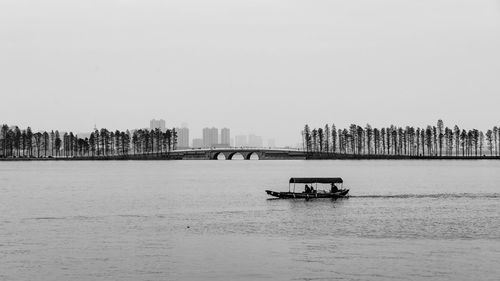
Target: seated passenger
x=334, y=188
x=307, y=189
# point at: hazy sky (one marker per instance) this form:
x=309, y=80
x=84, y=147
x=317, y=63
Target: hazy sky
x=261, y=66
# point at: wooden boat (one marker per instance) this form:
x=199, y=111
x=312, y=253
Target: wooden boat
x=332, y=192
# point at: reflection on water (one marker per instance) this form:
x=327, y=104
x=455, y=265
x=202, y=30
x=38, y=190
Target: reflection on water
x=199, y=220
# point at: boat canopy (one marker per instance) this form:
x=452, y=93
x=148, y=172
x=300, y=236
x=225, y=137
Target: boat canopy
x=316, y=180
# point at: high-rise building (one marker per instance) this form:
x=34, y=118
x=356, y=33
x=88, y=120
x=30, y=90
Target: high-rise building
x=210, y=137
x=157, y=124
x=182, y=138
x=240, y=141
x=197, y=143
x=254, y=141
x=225, y=136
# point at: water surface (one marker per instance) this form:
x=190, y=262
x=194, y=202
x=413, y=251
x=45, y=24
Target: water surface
x=211, y=220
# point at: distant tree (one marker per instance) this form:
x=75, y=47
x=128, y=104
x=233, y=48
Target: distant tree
x=52, y=142
x=306, y=138
x=3, y=135
x=58, y=143
x=434, y=141
x=124, y=136
x=174, y=139
x=23, y=142
x=352, y=137
x=470, y=142
x=450, y=141
x=418, y=140
x=9, y=139
x=135, y=141
x=475, y=140
x=463, y=141
x=321, y=138
x=481, y=143
x=428, y=139
x=128, y=141
x=65, y=144
x=440, y=136
x=111, y=142
x=38, y=143
x=456, y=130
x=104, y=141
x=326, y=144
x=376, y=140
x=369, y=137
x=29, y=141
x=334, y=138
x=409, y=139
x=489, y=141
x=422, y=139
x=168, y=136
x=382, y=137
x=314, y=134
x=400, y=141
x=97, y=140
x=360, y=133
x=17, y=140
x=71, y=141
x=92, y=143
x=345, y=140
x=406, y=139
x=158, y=136
x=46, y=143
x=495, y=134
x=117, y=142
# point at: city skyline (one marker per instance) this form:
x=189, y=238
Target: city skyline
x=208, y=137
x=186, y=139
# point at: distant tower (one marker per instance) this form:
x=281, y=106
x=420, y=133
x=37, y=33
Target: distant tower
x=157, y=124
x=182, y=137
x=225, y=136
x=210, y=137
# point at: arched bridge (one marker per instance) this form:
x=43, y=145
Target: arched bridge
x=246, y=153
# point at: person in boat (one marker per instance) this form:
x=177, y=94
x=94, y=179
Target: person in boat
x=312, y=189
x=307, y=189
x=334, y=188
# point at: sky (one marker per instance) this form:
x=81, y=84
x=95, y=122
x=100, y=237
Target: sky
x=263, y=66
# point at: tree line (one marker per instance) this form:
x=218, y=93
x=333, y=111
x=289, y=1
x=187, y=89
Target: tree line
x=16, y=142
x=432, y=140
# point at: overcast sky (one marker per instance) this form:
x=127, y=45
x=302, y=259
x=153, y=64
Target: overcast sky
x=260, y=66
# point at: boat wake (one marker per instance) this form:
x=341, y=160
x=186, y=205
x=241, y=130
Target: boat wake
x=437, y=195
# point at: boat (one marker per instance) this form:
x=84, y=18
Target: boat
x=332, y=192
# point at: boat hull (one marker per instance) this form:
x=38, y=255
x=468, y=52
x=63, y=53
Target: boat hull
x=339, y=194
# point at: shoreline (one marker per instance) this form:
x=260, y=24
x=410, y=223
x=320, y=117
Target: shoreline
x=397, y=157
x=309, y=157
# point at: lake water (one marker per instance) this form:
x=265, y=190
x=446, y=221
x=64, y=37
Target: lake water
x=211, y=220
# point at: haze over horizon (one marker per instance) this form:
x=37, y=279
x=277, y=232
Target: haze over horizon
x=262, y=67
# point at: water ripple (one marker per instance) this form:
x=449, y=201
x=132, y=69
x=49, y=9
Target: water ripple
x=437, y=195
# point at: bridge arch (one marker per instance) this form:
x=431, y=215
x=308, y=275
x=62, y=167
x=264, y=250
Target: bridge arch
x=252, y=155
x=236, y=153
x=216, y=155
x=246, y=153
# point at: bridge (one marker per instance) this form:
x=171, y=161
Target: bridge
x=246, y=153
